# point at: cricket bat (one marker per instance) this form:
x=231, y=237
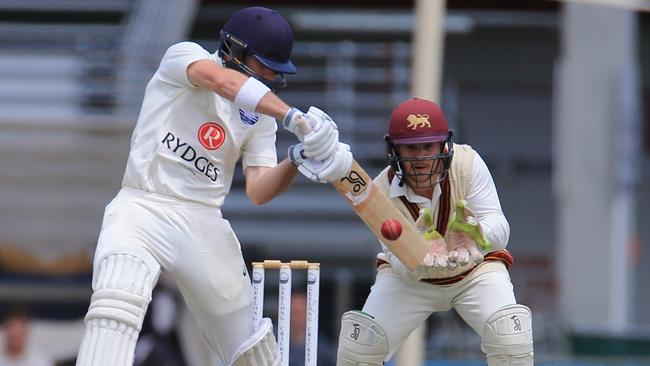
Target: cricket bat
x=375, y=209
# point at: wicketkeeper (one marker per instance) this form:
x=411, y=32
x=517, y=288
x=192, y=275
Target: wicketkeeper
x=447, y=191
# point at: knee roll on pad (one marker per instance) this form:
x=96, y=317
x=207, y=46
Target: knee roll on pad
x=260, y=349
x=122, y=290
x=123, y=286
x=362, y=341
x=508, y=337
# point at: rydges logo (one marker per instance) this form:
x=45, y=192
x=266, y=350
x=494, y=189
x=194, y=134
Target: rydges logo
x=189, y=154
x=211, y=135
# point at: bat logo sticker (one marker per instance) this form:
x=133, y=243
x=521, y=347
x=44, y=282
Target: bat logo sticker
x=355, y=332
x=356, y=180
x=517, y=323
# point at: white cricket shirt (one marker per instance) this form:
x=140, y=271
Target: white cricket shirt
x=188, y=140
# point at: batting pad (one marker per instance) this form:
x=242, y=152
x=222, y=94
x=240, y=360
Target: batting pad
x=123, y=286
x=362, y=341
x=508, y=337
x=260, y=349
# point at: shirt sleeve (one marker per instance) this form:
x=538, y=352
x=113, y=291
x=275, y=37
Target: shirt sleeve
x=173, y=66
x=483, y=201
x=260, y=150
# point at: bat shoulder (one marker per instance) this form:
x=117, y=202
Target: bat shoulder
x=382, y=179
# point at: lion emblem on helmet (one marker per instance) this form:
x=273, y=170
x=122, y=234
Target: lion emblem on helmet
x=417, y=121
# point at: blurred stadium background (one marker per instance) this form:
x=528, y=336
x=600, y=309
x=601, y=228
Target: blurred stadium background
x=552, y=94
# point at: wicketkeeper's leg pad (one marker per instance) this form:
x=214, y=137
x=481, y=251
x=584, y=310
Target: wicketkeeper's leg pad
x=508, y=337
x=362, y=341
x=123, y=284
x=261, y=349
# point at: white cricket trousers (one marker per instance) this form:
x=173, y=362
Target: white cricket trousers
x=401, y=305
x=143, y=233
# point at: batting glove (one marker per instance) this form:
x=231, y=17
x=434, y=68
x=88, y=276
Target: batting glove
x=316, y=130
x=323, y=139
x=335, y=167
x=293, y=123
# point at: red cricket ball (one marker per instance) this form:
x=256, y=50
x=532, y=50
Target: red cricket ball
x=391, y=229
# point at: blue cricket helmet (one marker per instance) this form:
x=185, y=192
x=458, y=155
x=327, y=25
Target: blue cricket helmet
x=263, y=34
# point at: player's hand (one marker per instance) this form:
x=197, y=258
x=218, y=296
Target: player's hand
x=296, y=122
x=424, y=225
x=316, y=130
x=291, y=124
x=437, y=256
x=464, y=238
x=466, y=222
x=424, y=221
x=462, y=250
x=323, y=139
x=333, y=168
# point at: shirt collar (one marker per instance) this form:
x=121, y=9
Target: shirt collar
x=396, y=190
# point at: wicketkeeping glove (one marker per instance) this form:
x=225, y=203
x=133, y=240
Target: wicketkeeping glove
x=462, y=250
x=465, y=237
x=437, y=255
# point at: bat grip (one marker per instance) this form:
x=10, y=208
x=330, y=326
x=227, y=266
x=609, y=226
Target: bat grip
x=302, y=125
x=304, y=128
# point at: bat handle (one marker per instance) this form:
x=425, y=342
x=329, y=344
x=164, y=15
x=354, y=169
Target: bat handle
x=302, y=125
x=304, y=128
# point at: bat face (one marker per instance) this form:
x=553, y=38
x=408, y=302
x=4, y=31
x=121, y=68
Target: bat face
x=375, y=208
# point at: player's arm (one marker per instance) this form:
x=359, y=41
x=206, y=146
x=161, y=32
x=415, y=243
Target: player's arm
x=478, y=225
x=264, y=183
x=236, y=86
x=483, y=202
x=188, y=65
x=252, y=95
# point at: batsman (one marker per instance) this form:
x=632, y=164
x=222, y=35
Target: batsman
x=446, y=190
x=202, y=112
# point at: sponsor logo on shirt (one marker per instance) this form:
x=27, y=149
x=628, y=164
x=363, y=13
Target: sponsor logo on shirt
x=249, y=118
x=211, y=135
x=190, y=155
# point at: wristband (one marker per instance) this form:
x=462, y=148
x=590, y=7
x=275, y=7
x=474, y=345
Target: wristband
x=250, y=94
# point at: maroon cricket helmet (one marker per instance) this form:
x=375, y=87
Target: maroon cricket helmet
x=416, y=121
